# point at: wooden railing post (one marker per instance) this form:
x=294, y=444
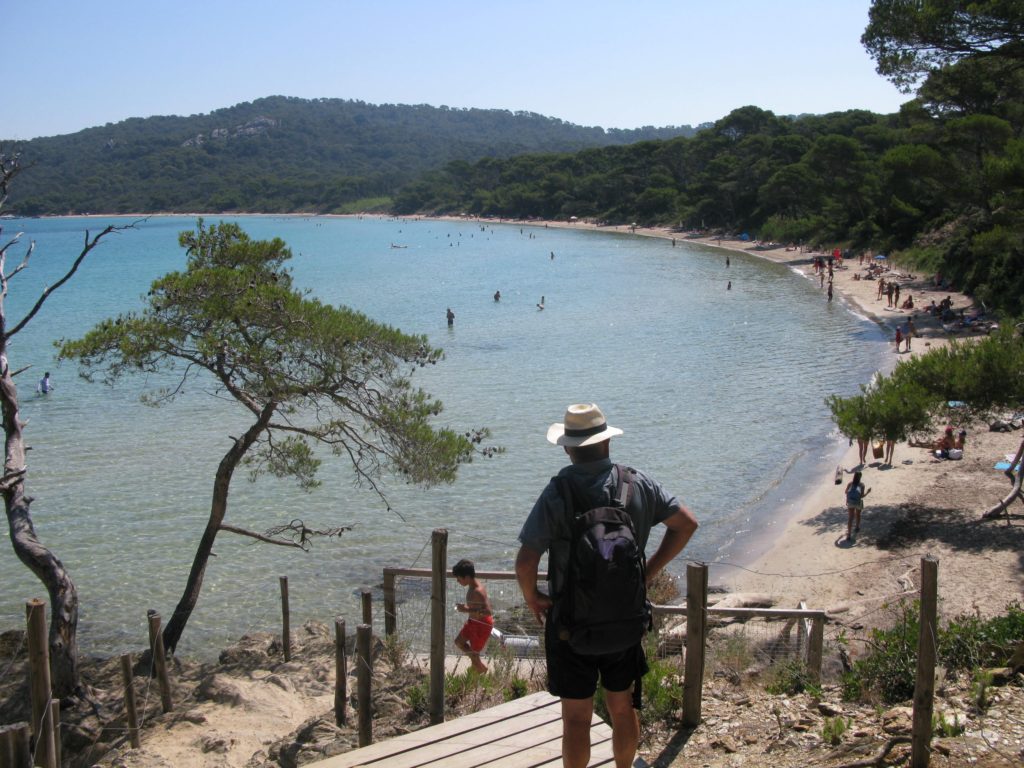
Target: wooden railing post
x=364, y=673
x=40, y=689
x=815, y=648
x=159, y=656
x=15, y=745
x=696, y=612
x=438, y=603
x=924, y=685
x=55, y=724
x=367, y=605
x=129, y=701
x=340, y=674
x=286, y=620
x=390, y=604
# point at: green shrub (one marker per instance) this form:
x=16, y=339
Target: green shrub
x=891, y=666
x=418, y=696
x=942, y=727
x=833, y=728
x=789, y=678
x=516, y=688
x=970, y=641
x=967, y=643
x=662, y=690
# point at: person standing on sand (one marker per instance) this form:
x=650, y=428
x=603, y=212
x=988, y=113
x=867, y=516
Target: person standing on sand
x=592, y=479
x=855, y=493
x=911, y=330
x=899, y=339
x=881, y=287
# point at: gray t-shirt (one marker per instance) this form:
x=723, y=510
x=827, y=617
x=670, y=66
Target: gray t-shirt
x=547, y=527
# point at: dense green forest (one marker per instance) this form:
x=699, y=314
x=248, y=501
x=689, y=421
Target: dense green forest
x=941, y=183
x=279, y=154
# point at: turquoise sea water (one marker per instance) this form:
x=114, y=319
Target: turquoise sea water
x=719, y=393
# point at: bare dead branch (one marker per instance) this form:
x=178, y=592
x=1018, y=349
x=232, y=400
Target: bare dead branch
x=86, y=249
x=260, y=537
x=877, y=760
x=298, y=535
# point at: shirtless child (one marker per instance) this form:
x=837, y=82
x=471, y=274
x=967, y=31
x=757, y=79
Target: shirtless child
x=474, y=634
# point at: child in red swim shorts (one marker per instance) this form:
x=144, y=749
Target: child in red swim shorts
x=473, y=636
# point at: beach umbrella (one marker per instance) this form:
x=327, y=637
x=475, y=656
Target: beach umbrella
x=880, y=256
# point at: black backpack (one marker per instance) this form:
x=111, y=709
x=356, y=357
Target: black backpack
x=603, y=604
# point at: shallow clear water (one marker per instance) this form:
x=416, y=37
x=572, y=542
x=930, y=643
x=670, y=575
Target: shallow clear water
x=719, y=392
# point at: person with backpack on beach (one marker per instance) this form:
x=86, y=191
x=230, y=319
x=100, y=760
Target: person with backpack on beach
x=593, y=520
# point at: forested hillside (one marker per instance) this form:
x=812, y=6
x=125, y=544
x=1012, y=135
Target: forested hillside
x=941, y=183
x=279, y=154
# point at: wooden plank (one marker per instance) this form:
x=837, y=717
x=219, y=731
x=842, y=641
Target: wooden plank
x=469, y=755
x=483, y=719
x=464, y=749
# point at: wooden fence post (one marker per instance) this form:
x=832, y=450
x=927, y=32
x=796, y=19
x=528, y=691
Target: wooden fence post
x=696, y=612
x=15, y=746
x=159, y=656
x=129, y=701
x=924, y=685
x=364, y=672
x=340, y=674
x=815, y=648
x=55, y=724
x=367, y=603
x=438, y=604
x=40, y=688
x=286, y=629
x=390, y=601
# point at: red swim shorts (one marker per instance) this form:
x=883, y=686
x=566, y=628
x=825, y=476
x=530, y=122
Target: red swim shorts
x=476, y=632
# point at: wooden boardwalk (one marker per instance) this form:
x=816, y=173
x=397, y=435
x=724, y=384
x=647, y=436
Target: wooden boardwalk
x=525, y=733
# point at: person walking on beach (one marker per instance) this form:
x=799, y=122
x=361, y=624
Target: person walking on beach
x=591, y=480
x=473, y=636
x=451, y=317
x=911, y=330
x=855, y=493
x=899, y=339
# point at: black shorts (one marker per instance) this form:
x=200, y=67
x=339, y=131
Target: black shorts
x=574, y=676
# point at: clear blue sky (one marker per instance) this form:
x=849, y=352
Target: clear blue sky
x=74, y=65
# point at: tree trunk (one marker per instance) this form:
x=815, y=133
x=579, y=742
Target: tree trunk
x=40, y=560
x=1016, y=477
x=218, y=509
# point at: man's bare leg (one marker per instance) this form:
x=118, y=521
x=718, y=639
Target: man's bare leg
x=625, y=726
x=576, y=716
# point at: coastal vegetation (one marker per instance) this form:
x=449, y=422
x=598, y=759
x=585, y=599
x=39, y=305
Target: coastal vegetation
x=939, y=183
x=312, y=377
x=958, y=383
x=280, y=155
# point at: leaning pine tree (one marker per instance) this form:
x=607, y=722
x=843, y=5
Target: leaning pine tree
x=308, y=374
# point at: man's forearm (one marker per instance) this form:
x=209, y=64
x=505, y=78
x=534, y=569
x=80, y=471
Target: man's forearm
x=681, y=528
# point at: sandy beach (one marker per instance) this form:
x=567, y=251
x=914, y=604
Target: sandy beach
x=919, y=506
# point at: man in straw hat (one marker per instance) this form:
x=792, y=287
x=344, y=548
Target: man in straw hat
x=585, y=436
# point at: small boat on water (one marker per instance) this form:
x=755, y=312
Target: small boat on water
x=396, y=245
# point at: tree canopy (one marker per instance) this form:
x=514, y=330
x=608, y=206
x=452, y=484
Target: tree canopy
x=910, y=39
x=309, y=375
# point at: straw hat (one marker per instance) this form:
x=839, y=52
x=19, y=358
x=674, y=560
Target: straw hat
x=584, y=425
